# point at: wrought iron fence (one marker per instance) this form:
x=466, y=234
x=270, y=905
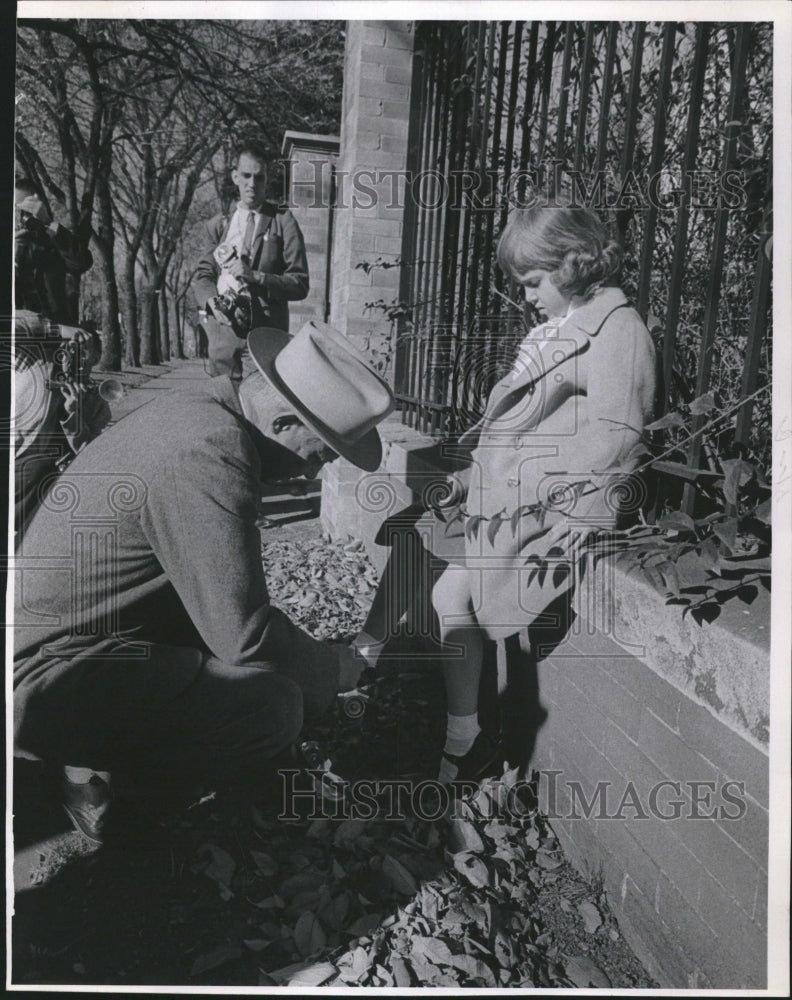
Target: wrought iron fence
x=666, y=127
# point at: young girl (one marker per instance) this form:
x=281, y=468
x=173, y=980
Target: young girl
x=559, y=431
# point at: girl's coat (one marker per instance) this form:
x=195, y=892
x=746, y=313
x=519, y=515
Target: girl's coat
x=556, y=440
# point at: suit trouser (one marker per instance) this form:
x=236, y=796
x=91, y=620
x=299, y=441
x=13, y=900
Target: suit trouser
x=177, y=710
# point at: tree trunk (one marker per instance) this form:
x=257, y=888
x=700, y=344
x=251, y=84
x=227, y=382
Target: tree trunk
x=130, y=319
x=164, y=329
x=111, y=333
x=178, y=329
x=148, y=346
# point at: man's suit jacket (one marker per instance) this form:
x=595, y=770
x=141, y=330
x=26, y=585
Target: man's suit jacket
x=170, y=496
x=43, y=257
x=277, y=256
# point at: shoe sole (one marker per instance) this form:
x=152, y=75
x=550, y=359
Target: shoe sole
x=95, y=838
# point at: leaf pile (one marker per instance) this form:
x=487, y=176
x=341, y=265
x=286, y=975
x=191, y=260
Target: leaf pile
x=468, y=917
x=326, y=588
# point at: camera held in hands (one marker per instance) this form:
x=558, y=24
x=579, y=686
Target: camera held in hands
x=233, y=304
x=71, y=366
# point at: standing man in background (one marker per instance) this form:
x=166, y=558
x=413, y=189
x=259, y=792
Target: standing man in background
x=44, y=254
x=255, y=259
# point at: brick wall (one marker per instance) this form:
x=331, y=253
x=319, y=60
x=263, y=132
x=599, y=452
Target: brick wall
x=375, y=115
x=630, y=701
x=689, y=889
x=310, y=159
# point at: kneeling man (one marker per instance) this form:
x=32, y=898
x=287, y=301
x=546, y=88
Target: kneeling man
x=145, y=640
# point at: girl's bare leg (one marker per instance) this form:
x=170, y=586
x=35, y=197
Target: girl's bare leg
x=463, y=648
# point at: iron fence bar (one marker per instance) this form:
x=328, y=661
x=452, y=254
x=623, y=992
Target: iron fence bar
x=563, y=99
x=548, y=56
x=736, y=86
x=656, y=162
x=530, y=87
x=689, y=157
x=607, y=94
x=470, y=157
x=477, y=291
x=508, y=152
x=404, y=347
x=418, y=296
x=432, y=218
x=757, y=328
x=425, y=255
x=494, y=156
x=631, y=124
x=436, y=373
x=456, y=158
x=583, y=97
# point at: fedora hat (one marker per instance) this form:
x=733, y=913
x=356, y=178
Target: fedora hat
x=329, y=384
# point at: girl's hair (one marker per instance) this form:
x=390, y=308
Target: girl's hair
x=569, y=241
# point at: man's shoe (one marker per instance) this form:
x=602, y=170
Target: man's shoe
x=86, y=804
x=318, y=766
x=483, y=760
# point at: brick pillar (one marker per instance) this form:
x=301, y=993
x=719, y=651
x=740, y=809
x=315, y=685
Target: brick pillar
x=367, y=222
x=309, y=159
x=375, y=117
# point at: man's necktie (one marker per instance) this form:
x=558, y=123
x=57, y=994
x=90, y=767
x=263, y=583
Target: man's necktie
x=250, y=228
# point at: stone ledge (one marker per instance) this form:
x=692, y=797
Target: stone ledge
x=723, y=665
x=309, y=140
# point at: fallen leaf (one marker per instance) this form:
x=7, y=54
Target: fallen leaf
x=216, y=956
x=401, y=973
x=270, y=903
x=364, y=925
x=547, y=862
x=313, y=975
x=463, y=836
x=265, y=865
x=257, y=944
x=309, y=935
x=472, y=868
x=432, y=949
x=221, y=867
x=583, y=972
x=348, y=832
x=591, y=916
x=474, y=968
x=398, y=876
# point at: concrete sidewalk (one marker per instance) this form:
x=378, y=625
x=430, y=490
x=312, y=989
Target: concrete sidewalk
x=141, y=385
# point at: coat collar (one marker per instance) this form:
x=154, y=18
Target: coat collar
x=572, y=338
x=589, y=317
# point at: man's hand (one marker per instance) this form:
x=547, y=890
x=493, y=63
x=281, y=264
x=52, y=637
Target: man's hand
x=351, y=667
x=239, y=269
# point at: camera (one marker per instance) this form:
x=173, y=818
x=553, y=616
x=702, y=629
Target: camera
x=233, y=303
x=70, y=367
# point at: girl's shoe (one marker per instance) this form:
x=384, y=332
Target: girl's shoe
x=483, y=760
